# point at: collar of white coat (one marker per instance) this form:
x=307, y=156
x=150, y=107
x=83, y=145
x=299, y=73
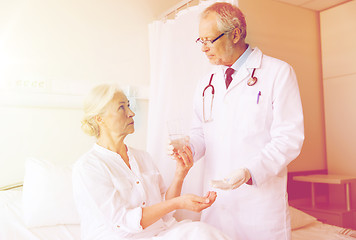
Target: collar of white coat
x=253, y=61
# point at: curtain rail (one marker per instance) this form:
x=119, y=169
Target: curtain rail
x=185, y=3
x=11, y=186
x=176, y=8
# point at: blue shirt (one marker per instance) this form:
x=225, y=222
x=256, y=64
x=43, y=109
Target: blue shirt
x=241, y=60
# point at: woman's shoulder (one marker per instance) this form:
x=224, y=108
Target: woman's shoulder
x=89, y=160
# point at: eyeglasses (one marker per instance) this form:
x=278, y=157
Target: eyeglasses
x=209, y=42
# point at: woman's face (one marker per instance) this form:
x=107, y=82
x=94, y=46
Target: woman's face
x=118, y=117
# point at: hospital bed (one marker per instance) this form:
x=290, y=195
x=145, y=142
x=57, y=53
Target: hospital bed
x=43, y=209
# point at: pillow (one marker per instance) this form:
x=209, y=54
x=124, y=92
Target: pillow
x=299, y=219
x=47, y=195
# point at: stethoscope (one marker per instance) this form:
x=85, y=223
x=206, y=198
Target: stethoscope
x=252, y=81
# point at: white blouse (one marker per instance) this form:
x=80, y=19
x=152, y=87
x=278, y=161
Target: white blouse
x=110, y=196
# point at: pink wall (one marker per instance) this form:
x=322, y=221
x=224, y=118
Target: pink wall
x=338, y=37
x=292, y=34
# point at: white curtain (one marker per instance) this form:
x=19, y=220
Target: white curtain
x=177, y=64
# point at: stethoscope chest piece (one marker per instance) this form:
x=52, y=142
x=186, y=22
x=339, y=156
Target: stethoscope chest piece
x=252, y=81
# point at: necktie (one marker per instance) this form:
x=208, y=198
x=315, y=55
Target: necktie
x=228, y=74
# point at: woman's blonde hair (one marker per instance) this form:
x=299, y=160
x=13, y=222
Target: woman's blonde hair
x=94, y=105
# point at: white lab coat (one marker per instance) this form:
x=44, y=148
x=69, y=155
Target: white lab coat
x=262, y=135
x=110, y=197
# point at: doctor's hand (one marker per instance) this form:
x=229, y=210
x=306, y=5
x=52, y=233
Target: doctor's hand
x=233, y=181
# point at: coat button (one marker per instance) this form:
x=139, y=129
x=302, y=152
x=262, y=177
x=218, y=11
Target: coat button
x=137, y=182
x=144, y=203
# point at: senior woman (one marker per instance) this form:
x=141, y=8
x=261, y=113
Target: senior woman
x=119, y=192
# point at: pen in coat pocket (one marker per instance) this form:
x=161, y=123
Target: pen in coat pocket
x=258, y=96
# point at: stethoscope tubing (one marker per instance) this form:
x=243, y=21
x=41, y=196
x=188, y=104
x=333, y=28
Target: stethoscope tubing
x=212, y=99
x=210, y=85
x=252, y=81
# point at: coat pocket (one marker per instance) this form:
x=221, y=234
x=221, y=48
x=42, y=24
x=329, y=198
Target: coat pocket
x=251, y=113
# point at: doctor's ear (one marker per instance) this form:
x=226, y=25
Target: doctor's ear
x=236, y=35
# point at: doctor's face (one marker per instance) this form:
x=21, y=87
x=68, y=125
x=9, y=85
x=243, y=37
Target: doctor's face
x=221, y=51
x=118, y=117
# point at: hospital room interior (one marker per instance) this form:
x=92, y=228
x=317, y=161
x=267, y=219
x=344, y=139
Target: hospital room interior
x=52, y=53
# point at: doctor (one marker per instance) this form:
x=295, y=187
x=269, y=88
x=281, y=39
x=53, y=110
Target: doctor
x=248, y=126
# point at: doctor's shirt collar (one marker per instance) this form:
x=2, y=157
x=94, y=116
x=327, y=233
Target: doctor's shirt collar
x=241, y=60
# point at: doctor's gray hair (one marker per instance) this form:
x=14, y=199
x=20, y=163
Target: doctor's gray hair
x=94, y=105
x=229, y=17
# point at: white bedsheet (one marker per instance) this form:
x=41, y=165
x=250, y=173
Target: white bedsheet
x=320, y=231
x=12, y=226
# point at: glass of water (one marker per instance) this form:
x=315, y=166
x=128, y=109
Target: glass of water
x=177, y=134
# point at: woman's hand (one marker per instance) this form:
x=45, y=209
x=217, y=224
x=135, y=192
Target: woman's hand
x=196, y=203
x=190, y=202
x=184, y=159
